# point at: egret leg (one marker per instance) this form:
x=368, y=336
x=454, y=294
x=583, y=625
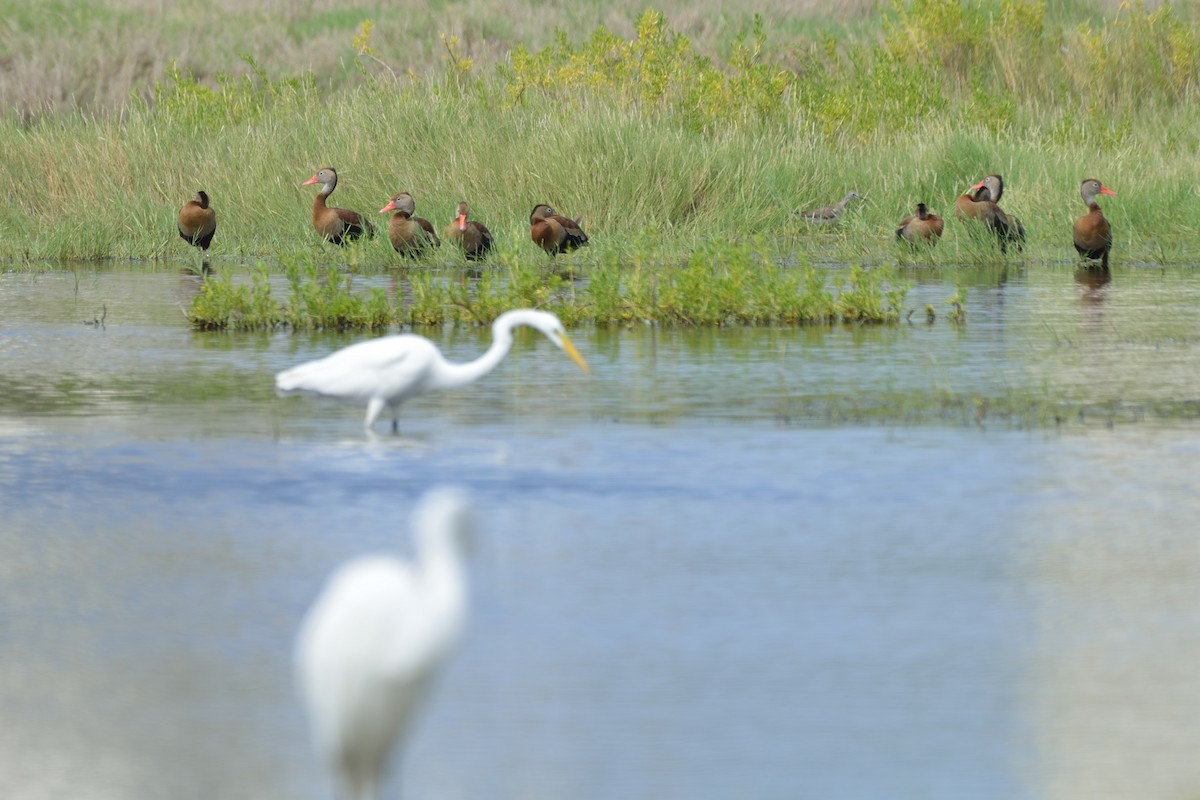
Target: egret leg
x=374, y=408
x=366, y=790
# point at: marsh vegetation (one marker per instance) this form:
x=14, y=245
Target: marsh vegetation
x=961, y=544
x=674, y=136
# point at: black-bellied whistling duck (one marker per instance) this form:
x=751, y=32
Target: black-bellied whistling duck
x=337, y=225
x=474, y=236
x=198, y=222
x=553, y=232
x=408, y=234
x=966, y=205
x=1093, y=234
x=826, y=214
x=980, y=204
x=920, y=228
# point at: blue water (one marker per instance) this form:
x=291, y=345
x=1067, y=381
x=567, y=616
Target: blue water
x=690, y=582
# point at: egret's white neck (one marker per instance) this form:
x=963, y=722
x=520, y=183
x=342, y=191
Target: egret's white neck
x=460, y=374
x=440, y=563
x=440, y=558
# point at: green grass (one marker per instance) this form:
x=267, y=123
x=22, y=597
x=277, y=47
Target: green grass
x=83, y=188
x=723, y=285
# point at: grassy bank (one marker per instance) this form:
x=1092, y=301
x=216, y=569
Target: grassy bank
x=659, y=147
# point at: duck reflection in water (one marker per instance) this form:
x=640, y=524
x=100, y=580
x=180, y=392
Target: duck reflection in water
x=1094, y=283
x=191, y=279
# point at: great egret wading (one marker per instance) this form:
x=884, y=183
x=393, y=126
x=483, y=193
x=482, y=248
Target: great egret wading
x=387, y=371
x=370, y=646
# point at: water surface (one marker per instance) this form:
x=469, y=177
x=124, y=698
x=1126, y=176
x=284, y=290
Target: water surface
x=836, y=563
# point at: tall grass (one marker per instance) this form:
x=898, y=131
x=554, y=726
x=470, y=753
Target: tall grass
x=660, y=147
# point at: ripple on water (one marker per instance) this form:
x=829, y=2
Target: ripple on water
x=695, y=564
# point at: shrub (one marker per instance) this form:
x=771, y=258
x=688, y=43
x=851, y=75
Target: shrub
x=183, y=98
x=658, y=71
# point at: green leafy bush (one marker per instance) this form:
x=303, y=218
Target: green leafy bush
x=183, y=98
x=657, y=71
x=721, y=284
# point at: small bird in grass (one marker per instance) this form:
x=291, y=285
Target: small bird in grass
x=924, y=227
x=409, y=234
x=337, y=225
x=373, y=642
x=553, y=232
x=827, y=214
x=385, y=372
x=474, y=237
x=198, y=222
x=1092, y=233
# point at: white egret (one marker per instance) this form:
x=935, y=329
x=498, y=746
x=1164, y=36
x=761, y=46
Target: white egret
x=372, y=642
x=389, y=370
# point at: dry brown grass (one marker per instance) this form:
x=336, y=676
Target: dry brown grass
x=91, y=55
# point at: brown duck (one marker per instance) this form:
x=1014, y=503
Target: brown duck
x=474, y=237
x=198, y=222
x=409, y=234
x=555, y=233
x=1093, y=234
x=923, y=227
x=337, y=225
x=980, y=204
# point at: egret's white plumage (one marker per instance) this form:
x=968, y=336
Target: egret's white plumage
x=389, y=370
x=374, y=639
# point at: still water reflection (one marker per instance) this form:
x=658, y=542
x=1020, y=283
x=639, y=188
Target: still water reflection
x=748, y=563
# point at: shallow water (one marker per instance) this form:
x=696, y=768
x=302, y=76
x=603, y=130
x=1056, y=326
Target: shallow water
x=758, y=563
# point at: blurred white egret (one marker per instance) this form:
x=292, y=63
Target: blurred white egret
x=389, y=370
x=371, y=643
